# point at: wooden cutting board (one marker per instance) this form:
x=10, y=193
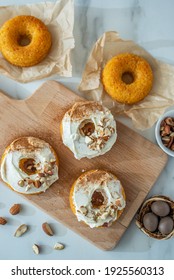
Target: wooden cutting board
x=136, y=161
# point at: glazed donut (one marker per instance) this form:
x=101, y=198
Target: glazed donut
x=88, y=129
x=24, y=41
x=29, y=165
x=137, y=70
x=97, y=198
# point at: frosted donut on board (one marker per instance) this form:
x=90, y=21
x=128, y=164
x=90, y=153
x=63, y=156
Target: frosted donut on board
x=29, y=165
x=97, y=198
x=88, y=129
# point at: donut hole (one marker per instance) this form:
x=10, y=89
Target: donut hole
x=97, y=199
x=27, y=165
x=24, y=40
x=127, y=78
x=86, y=128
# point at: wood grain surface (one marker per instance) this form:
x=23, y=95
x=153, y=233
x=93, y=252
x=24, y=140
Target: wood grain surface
x=136, y=161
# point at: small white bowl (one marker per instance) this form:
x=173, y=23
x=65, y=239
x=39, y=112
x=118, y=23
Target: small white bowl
x=157, y=132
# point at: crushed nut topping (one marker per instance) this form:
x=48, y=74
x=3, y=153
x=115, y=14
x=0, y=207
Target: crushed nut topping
x=41, y=174
x=21, y=183
x=37, y=184
x=84, y=210
x=41, y=178
x=52, y=161
x=28, y=187
x=93, y=141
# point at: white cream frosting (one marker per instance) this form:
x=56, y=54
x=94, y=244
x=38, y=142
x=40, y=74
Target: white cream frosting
x=110, y=188
x=43, y=157
x=98, y=143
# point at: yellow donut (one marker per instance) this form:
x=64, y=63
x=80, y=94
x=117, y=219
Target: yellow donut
x=24, y=41
x=134, y=66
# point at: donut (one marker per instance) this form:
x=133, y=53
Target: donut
x=88, y=129
x=29, y=165
x=24, y=40
x=97, y=198
x=127, y=78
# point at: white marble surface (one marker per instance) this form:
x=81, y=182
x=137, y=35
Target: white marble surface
x=149, y=23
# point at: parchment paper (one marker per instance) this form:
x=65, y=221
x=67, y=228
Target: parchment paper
x=59, y=18
x=145, y=113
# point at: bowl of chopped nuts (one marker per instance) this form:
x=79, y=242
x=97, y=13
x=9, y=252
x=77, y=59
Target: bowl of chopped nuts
x=164, y=132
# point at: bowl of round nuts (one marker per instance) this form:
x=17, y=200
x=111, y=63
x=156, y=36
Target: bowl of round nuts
x=164, y=132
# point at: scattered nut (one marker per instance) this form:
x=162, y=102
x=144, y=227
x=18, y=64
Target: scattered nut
x=59, y=246
x=47, y=229
x=3, y=221
x=20, y=230
x=36, y=249
x=15, y=209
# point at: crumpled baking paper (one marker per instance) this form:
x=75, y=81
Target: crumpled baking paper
x=145, y=113
x=59, y=18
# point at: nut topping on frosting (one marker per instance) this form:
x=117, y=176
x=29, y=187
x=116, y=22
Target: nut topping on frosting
x=88, y=129
x=21, y=183
x=37, y=184
x=26, y=162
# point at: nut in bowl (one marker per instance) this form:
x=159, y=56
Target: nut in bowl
x=164, y=132
x=156, y=217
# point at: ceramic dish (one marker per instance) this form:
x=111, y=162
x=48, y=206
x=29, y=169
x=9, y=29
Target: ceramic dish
x=157, y=132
